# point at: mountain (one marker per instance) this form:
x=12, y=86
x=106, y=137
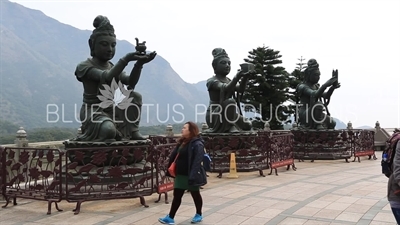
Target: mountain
x=201, y=86
x=38, y=87
x=339, y=124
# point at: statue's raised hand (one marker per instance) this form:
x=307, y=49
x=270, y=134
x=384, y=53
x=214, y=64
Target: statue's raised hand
x=331, y=81
x=335, y=73
x=149, y=57
x=240, y=73
x=336, y=85
x=134, y=56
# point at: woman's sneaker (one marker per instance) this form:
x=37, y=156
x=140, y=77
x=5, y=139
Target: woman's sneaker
x=197, y=218
x=167, y=220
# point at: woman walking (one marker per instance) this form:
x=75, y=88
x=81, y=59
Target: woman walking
x=190, y=174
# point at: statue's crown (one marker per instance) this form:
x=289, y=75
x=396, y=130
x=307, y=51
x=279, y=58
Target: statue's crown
x=102, y=24
x=312, y=64
x=219, y=52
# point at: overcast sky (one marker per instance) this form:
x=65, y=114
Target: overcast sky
x=360, y=38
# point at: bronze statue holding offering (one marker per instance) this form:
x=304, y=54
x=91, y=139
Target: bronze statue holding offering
x=225, y=95
x=314, y=98
x=103, y=120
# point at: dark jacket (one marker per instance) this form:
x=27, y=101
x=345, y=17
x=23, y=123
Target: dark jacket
x=393, y=193
x=195, y=158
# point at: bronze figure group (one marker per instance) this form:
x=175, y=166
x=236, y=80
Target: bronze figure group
x=104, y=121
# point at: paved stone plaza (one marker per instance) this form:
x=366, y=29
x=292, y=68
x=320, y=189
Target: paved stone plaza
x=320, y=192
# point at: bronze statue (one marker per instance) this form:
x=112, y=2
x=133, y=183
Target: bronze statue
x=314, y=100
x=225, y=96
x=102, y=120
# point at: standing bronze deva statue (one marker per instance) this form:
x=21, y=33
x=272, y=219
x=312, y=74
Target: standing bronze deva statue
x=102, y=120
x=314, y=99
x=223, y=114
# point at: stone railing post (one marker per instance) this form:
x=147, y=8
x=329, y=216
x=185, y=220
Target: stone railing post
x=21, y=140
x=377, y=126
x=169, y=132
x=349, y=125
x=267, y=127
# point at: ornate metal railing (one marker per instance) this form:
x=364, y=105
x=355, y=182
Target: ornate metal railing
x=247, y=148
x=361, y=143
x=32, y=173
x=333, y=144
x=280, y=151
x=164, y=183
x=132, y=170
x=321, y=144
x=111, y=173
x=256, y=151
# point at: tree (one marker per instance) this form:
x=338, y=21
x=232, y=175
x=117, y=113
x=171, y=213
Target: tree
x=267, y=90
x=295, y=78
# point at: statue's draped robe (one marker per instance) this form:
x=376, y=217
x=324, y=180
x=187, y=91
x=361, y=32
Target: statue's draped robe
x=311, y=109
x=92, y=115
x=220, y=119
